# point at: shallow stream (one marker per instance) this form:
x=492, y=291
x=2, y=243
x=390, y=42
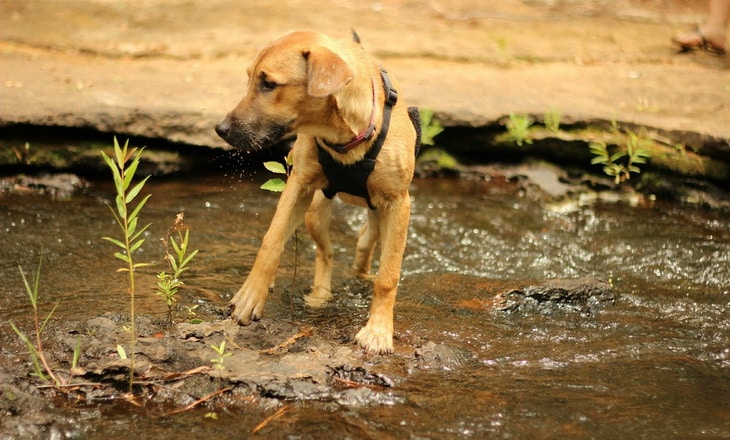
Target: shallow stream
x=656, y=364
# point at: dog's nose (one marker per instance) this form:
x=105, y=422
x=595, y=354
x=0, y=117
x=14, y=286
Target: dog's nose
x=223, y=128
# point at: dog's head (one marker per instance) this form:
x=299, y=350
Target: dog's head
x=291, y=88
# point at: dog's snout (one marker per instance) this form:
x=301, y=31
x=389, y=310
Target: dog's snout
x=223, y=128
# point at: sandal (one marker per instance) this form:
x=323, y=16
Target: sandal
x=696, y=40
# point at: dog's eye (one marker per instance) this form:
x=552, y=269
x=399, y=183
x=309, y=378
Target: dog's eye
x=268, y=85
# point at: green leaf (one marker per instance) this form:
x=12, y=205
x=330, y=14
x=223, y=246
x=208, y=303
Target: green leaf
x=115, y=241
x=136, y=210
x=189, y=257
x=121, y=207
x=134, y=191
x=119, y=153
x=140, y=232
x=32, y=294
x=45, y=321
x=275, y=167
x=121, y=256
x=616, y=156
x=121, y=352
x=132, y=226
x=275, y=185
x=136, y=245
x=130, y=171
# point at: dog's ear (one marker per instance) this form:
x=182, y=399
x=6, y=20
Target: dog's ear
x=326, y=72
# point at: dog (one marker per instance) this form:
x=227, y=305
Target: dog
x=355, y=138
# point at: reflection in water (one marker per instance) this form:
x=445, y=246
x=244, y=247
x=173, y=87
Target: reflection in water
x=656, y=363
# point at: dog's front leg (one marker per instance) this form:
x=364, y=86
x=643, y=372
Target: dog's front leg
x=248, y=303
x=377, y=335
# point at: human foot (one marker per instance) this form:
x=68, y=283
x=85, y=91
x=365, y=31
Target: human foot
x=698, y=39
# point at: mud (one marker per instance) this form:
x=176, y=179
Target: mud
x=271, y=359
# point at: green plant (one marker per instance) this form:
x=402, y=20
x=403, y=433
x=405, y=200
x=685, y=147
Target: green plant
x=35, y=348
x=518, y=127
x=123, y=166
x=192, y=316
x=439, y=159
x=220, y=350
x=430, y=127
x=276, y=184
x=168, y=284
x=635, y=153
x=552, y=120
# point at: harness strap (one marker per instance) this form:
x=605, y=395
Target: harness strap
x=352, y=179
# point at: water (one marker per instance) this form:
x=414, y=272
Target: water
x=654, y=365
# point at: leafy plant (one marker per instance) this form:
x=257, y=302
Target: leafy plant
x=123, y=166
x=439, y=159
x=220, y=350
x=430, y=127
x=168, y=284
x=518, y=127
x=552, y=120
x=192, y=316
x=35, y=348
x=635, y=153
x=276, y=184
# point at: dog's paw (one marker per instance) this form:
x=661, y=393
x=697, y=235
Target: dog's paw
x=375, y=339
x=247, y=305
x=318, y=297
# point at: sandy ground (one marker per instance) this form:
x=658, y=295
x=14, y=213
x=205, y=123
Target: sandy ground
x=172, y=69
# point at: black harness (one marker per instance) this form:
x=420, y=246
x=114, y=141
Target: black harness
x=352, y=179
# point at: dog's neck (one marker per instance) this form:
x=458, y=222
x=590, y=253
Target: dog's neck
x=364, y=136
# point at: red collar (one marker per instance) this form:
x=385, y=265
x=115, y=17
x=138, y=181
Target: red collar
x=364, y=135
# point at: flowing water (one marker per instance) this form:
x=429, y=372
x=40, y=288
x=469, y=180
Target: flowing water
x=656, y=364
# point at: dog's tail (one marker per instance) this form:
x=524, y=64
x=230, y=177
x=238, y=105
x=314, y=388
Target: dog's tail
x=415, y=116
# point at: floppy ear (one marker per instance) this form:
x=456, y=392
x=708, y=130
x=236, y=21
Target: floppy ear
x=326, y=72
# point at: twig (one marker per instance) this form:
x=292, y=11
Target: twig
x=198, y=402
x=267, y=420
x=303, y=333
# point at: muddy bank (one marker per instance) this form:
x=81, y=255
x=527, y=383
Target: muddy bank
x=265, y=365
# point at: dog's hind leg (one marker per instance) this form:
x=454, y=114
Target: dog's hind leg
x=369, y=236
x=318, y=220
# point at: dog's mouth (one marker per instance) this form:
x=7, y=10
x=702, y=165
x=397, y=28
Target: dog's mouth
x=247, y=138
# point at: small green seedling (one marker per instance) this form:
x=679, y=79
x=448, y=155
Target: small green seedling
x=40, y=365
x=518, y=127
x=635, y=154
x=552, y=120
x=168, y=284
x=222, y=355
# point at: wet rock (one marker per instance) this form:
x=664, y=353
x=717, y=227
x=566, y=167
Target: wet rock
x=582, y=294
x=433, y=355
x=58, y=186
x=357, y=375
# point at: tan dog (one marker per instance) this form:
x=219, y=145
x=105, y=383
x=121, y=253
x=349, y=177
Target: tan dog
x=327, y=92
